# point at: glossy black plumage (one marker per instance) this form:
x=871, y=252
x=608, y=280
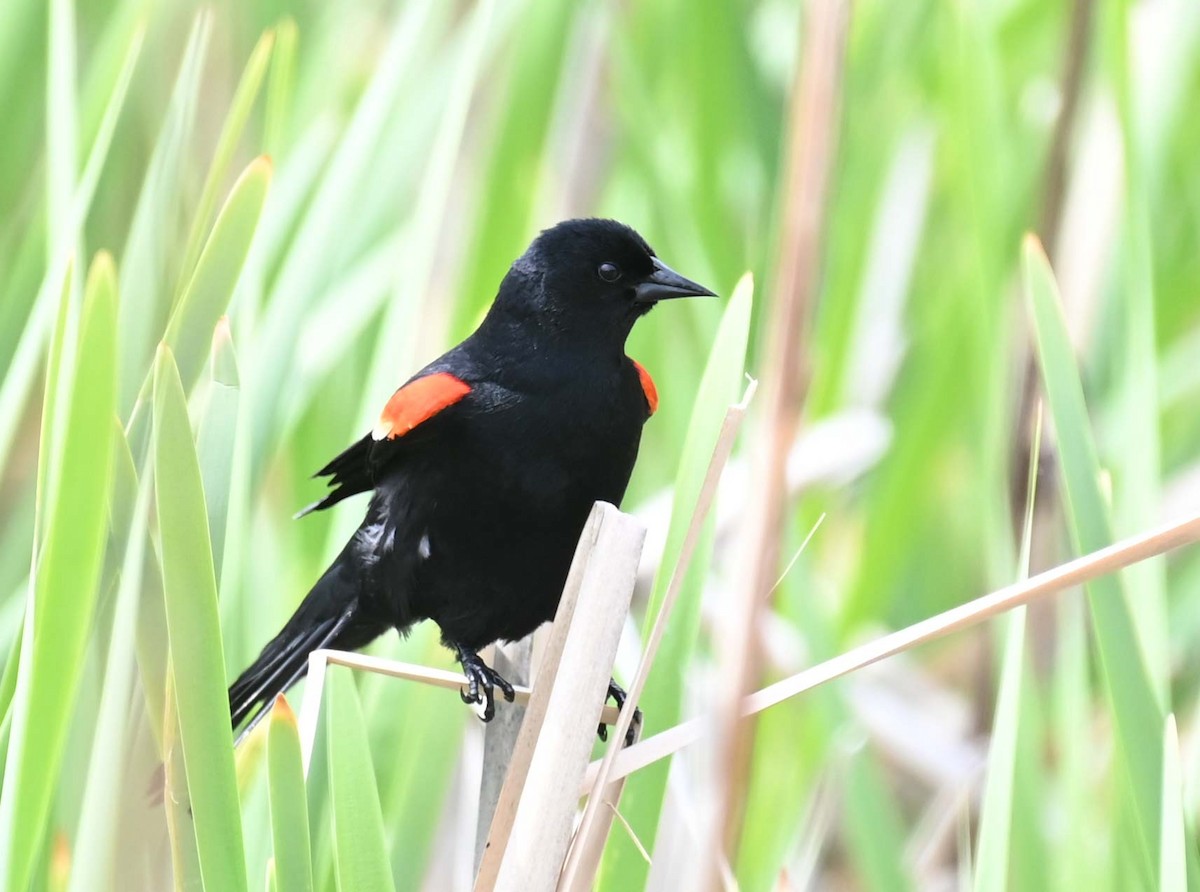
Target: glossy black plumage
x=476, y=510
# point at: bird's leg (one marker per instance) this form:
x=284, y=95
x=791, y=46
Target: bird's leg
x=617, y=694
x=481, y=680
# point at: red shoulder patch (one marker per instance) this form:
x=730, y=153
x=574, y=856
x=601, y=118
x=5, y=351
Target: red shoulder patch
x=648, y=387
x=416, y=402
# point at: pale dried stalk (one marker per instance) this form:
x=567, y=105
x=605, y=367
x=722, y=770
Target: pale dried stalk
x=320, y=660
x=584, y=856
x=532, y=824
x=1073, y=573
x=310, y=706
x=1054, y=180
x=812, y=137
x=610, y=798
x=535, y=715
x=500, y=739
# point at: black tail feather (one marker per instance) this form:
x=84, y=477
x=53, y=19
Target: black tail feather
x=328, y=617
x=282, y=663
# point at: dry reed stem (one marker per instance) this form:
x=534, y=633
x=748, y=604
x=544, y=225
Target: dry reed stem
x=320, y=660
x=500, y=739
x=584, y=856
x=812, y=138
x=1051, y=582
x=535, y=714
x=532, y=826
x=593, y=850
x=1054, y=181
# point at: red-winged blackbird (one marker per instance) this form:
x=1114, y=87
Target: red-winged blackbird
x=485, y=464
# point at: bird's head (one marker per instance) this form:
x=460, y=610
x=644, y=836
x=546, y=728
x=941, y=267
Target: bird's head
x=593, y=275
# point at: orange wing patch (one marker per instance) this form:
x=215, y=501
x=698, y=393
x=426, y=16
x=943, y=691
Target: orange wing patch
x=648, y=387
x=417, y=402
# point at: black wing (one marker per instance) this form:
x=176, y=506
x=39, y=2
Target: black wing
x=350, y=473
x=420, y=399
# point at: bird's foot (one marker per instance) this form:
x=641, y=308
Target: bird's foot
x=617, y=694
x=482, y=679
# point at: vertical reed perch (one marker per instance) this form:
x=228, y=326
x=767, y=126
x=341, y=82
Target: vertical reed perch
x=532, y=824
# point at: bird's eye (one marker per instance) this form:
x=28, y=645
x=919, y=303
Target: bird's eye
x=609, y=272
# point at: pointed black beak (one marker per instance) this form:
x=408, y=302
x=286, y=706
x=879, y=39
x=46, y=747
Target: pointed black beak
x=664, y=284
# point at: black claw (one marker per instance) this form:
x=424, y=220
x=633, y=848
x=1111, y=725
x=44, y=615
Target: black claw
x=481, y=682
x=617, y=694
x=635, y=726
x=504, y=686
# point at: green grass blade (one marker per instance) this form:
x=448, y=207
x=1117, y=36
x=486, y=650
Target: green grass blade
x=17, y=28
x=991, y=869
x=153, y=657
x=1137, y=472
x=360, y=849
x=64, y=583
x=1172, y=865
x=62, y=138
x=18, y=379
x=662, y=701
x=122, y=508
x=874, y=826
x=231, y=133
x=59, y=368
x=996, y=814
x=289, y=805
x=1137, y=450
x=1071, y=716
x=95, y=848
x=217, y=436
x=719, y=387
x=89, y=179
x=181, y=827
x=190, y=593
x=281, y=86
x=108, y=42
x=8, y=684
x=408, y=781
x=189, y=332
x=22, y=373
x=1137, y=710
x=145, y=298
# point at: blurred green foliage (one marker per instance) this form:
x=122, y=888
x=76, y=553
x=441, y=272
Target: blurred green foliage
x=414, y=148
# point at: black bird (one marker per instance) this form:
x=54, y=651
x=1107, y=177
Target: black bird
x=485, y=464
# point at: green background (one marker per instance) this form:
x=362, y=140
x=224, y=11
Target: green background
x=348, y=183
